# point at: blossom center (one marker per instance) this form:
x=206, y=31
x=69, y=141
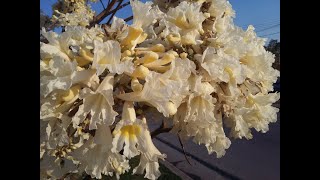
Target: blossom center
x=130, y=130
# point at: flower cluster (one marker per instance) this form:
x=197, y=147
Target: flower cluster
x=72, y=13
x=185, y=59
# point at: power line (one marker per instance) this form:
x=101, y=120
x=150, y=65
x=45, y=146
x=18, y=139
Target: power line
x=268, y=28
x=264, y=24
x=267, y=21
x=270, y=34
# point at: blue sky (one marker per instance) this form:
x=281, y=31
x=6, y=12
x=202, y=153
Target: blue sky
x=264, y=15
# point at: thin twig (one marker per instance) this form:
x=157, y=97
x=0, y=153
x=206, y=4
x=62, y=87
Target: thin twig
x=119, y=4
x=118, y=8
x=102, y=4
x=97, y=19
x=128, y=18
x=104, y=26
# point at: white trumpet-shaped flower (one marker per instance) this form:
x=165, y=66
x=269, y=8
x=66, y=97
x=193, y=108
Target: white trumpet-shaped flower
x=164, y=91
x=188, y=17
x=247, y=108
x=257, y=113
x=259, y=69
x=81, y=16
x=221, y=67
x=118, y=28
x=98, y=103
x=135, y=135
x=58, y=102
x=127, y=132
x=221, y=8
x=149, y=157
x=96, y=158
x=61, y=74
x=75, y=43
x=223, y=13
x=197, y=118
x=107, y=56
x=144, y=14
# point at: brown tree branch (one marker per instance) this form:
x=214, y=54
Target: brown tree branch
x=119, y=4
x=97, y=19
x=118, y=8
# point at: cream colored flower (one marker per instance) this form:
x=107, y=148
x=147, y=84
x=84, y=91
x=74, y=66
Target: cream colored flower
x=259, y=69
x=188, y=17
x=135, y=135
x=96, y=158
x=198, y=118
x=164, y=91
x=75, y=43
x=256, y=112
x=144, y=17
x=149, y=158
x=151, y=168
x=262, y=113
x=168, y=30
x=223, y=13
x=144, y=14
x=47, y=52
x=62, y=74
x=98, y=103
x=58, y=103
x=85, y=37
x=53, y=137
x=221, y=8
x=107, y=56
x=81, y=15
x=118, y=28
x=57, y=42
x=221, y=67
x=126, y=132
